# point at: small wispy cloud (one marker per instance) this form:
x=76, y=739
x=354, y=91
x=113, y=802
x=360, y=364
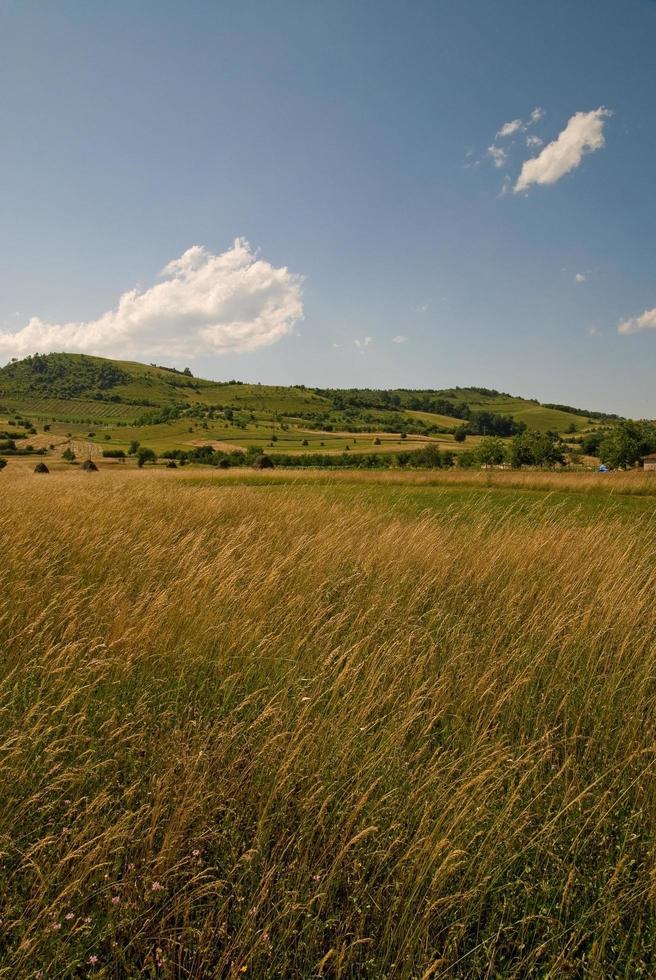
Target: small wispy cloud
x=580, y=277
x=634, y=324
x=421, y=309
x=583, y=134
x=400, y=339
x=533, y=142
x=536, y=115
x=594, y=331
x=498, y=155
x=509, y=128
x=361, y=343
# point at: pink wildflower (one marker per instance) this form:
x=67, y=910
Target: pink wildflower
x=156, y=886
x=93, y=959
x=115, y=899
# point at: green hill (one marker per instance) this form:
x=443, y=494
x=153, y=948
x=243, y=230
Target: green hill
x=76, y=396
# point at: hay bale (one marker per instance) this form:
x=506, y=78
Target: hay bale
x=41, y=468
x=263, y=462
x=89, y=466
x=171, y=465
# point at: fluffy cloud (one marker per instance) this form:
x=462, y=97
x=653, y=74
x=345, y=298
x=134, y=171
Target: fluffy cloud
x=400, y=339
x=533, y=141
x=206, y=304
x=646, y=321
x=498, y=155
x=536, y=115
x=582, y=134
x=509, y=128
x=580, y=277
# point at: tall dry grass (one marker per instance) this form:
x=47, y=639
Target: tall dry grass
x=251, y=732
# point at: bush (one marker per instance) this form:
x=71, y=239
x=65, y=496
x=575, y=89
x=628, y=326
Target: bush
x=263, y=462
x=145, y=455
x=68, y=455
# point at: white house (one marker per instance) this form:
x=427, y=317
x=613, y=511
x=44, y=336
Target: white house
x=649, y=462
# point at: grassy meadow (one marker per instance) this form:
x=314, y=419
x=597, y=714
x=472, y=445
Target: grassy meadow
x=347, y=725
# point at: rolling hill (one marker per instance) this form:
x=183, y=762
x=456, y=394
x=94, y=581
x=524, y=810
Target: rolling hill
x=100, y=401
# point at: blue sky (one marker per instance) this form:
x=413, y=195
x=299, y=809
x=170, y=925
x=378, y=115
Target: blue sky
x=348, y=143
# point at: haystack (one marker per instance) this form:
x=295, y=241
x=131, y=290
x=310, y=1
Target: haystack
x=171, y=465
x=41, y=468
x=89, y=466
x=263, y=462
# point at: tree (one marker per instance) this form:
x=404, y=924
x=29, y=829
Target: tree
x=145, y=455
x=627, y=443
x=133, y=447
x=68, y=455
x=491, y=451
x=460, y=434
x=591, y=442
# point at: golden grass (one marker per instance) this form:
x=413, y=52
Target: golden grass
x=251, y=731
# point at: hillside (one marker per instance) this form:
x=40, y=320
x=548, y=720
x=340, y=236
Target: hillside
x=97, y=400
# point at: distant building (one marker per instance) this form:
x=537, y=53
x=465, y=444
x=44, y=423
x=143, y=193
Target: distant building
x=649, y=462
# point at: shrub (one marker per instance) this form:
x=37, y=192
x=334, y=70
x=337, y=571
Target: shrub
x=145, y=455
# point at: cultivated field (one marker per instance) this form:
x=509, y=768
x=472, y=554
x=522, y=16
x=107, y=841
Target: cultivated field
x=340, y=725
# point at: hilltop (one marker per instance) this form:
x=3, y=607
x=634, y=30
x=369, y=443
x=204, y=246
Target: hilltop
x=99, y=400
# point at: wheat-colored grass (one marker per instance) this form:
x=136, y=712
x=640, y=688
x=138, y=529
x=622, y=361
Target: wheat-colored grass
x=247, y=731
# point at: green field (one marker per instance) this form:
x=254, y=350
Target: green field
x=112, y=403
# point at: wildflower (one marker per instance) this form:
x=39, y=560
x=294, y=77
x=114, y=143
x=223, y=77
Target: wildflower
x=56, y=926
x=87, y=920
x=195, y=853
x=265, y=937
x=156, y=886
x=93, y=959
x=115, y=899
x=69, y=915
x=130, y=867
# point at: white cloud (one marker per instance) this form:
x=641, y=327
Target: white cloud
x=536, y=115
x=498, y=155
x=582, y=134
x=533, y=141
x=580, y=277
x=594, y=331
x=421, y=309
x=509, y=128
x=362, y=343
x=400, y=339
x=207, y=304
x=646, y=321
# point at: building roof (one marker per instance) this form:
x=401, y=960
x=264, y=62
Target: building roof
x=650, y=457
